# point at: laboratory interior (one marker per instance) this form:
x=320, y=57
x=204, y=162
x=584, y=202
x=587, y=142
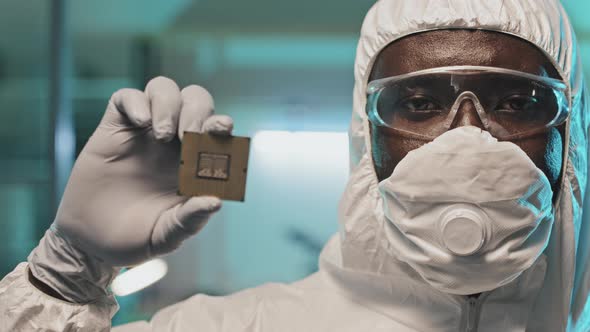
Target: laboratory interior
x=283, y=70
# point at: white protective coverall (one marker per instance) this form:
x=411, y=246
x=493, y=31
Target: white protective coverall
x=360, y=286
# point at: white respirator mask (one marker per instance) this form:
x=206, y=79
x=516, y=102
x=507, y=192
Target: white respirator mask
x=467, y=212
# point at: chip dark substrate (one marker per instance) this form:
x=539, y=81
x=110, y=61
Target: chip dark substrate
x=214, y=166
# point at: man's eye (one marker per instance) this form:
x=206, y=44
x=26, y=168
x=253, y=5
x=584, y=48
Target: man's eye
x=419, y=104
x=518, y=103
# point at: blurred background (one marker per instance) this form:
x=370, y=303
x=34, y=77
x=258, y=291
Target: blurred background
x=281, y=69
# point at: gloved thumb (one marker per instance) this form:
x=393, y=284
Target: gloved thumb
x=181, y=222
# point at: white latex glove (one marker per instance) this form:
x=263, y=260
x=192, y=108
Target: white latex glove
x=121, y=206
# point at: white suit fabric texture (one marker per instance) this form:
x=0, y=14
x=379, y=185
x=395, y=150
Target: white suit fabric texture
x=360, y=285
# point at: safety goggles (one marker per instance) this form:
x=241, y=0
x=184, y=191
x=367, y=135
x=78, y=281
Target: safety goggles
x=509, y=103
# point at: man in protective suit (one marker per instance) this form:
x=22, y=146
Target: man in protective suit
x=463, y=210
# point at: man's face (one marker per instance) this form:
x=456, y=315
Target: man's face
x=456, y=48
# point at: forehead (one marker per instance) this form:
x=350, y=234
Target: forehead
x=442, y=48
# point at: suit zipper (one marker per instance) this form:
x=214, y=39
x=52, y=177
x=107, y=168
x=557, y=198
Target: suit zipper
x=471, y=315
x=474, y=305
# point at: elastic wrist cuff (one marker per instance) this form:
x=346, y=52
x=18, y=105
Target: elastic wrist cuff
x=75, y=275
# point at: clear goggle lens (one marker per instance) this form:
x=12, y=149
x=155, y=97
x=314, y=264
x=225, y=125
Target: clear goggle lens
x=509, y=103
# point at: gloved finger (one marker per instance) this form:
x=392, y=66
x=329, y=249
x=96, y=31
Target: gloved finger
x=165, y=104
x=128, y=105
x=197, y=106
x=181, y=222
x=219, y=125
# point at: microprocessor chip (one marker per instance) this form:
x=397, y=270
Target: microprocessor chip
x=213, y=165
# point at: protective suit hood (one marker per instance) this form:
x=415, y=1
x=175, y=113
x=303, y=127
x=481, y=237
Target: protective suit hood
x=551, y=295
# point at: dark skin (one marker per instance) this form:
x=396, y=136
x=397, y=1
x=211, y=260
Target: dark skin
x=455, y=48
x=464, y=47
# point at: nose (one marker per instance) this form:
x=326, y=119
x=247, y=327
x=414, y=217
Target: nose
x=467, y=115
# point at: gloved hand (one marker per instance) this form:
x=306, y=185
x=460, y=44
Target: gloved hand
x=121, y=206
